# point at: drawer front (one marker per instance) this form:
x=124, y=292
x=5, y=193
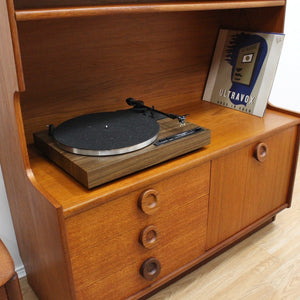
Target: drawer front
x=124, y=245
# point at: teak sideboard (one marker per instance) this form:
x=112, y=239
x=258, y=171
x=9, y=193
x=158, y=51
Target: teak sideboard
x=129, y=237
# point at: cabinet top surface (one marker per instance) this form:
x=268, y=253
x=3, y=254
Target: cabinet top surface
x=230, y=130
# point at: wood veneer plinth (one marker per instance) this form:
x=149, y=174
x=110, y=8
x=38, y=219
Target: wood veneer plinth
x=93, y=171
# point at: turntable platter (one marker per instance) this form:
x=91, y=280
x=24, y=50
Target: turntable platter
x=106, y=133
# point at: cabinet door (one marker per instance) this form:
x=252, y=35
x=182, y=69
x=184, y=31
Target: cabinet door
x=244, y=189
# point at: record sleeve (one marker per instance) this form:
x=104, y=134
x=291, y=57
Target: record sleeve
x=243, y=70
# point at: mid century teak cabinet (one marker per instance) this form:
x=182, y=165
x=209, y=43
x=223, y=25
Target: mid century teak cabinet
x=127, y=238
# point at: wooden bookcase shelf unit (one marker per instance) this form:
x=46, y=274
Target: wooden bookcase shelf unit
x=61, y=59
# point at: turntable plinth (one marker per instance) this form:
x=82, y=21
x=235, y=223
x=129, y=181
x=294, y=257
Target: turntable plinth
x=92, y=171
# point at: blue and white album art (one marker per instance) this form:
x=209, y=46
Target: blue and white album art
x=246, y=54
x=243, y=69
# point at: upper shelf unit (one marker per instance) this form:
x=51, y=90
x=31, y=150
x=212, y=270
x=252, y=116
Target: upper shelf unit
x=109, y=9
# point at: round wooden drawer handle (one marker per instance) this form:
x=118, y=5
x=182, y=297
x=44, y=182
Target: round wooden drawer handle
x=261, y=152
x=150, y=268
x=149, y=201
x=149, y=237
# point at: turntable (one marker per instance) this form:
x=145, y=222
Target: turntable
x=99, y=147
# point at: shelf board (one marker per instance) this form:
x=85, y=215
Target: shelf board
x=85, y=11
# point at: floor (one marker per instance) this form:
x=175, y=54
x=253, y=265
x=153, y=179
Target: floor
x=264, y=266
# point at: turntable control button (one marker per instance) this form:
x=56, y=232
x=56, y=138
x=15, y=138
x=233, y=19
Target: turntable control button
x=149, y=201
x=149, y=237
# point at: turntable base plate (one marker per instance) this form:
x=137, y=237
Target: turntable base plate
x=92, y=171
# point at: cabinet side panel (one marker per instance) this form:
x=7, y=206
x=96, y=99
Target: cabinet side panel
x=36, y=220
x=15, y=43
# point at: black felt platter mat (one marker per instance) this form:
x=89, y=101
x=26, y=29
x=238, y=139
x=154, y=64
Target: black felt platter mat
x=107, y=133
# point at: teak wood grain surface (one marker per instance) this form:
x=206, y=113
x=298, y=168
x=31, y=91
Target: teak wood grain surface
x=159, y=58
x=85, y=60
x=38, y=232
x=230, y=130
x=264, y=266
x=244, y=189
x=112, y=7
x=180, y=218
x=92, y=171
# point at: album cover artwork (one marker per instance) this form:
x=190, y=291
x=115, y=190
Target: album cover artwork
x=243, y=70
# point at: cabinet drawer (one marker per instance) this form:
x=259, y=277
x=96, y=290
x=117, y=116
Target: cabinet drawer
x=164, y=222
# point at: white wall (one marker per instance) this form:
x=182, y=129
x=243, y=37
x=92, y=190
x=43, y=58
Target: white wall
x=285, y=93
x=286, y=89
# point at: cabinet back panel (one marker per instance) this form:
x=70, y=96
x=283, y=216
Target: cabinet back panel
x=84, y=65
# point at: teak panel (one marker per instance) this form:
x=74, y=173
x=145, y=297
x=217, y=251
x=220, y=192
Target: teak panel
x=160, y=58
x=106, y=238
x=27, y=4
x=207, y=5
x=230, y=130
x=243, y=189
x=37, y=222
x=83, y=65
x=152, y=57
x=134, y=8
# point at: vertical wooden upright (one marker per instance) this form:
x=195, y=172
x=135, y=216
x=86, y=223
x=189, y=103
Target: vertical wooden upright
x=38, y=232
